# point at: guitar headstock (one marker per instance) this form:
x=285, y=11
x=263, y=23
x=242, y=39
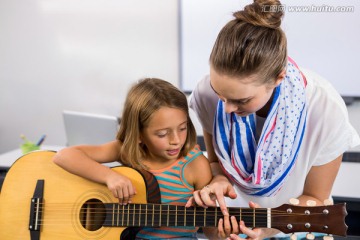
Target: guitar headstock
x=324, y=219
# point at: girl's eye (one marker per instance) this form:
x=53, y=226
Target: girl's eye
x=161, y=135
x=183, y=129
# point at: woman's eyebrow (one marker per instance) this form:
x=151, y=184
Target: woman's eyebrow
x=213, y=89
x=232, y=100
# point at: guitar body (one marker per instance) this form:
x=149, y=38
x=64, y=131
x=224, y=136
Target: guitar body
x=64, y=197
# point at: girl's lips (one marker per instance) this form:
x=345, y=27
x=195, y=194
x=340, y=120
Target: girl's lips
x=173, y=152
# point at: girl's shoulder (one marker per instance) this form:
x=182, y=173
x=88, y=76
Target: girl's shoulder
x=193, y=153
x=196, y=159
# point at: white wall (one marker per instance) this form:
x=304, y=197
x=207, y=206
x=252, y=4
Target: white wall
x=82, y=55
x=322, y=35
x=78, y=55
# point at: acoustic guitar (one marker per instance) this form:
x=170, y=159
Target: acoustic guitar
x=40, y=200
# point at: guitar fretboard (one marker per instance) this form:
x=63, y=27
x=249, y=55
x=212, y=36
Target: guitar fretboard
x=156, y=215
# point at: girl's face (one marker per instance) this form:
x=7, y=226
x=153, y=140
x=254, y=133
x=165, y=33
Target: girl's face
x=165, y=135
x=242, y=96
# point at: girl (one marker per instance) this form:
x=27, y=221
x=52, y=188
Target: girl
x=156, y=134
x=273, y=131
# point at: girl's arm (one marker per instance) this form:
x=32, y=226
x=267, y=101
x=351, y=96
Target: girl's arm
x=198, y=172
x=85, y=161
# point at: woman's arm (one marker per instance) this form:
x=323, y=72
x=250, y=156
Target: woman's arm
x=219, y=187
x=318, y=185
x=319, y=182
x=85, y=161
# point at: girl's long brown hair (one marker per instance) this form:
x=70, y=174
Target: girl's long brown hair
x=143, y=99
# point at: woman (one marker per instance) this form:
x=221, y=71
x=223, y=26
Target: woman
x=271, y=131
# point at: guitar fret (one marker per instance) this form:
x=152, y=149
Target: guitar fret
x=254, y=217
x=134, y=214
x=128, y=219
x=184, y=216
x=122, y=220
x=140, y=213
x=168, y=214
x=240, y=213
x=268, y=218
x=152, y=224
x=195, y=216
x=204, y=217
x=117, y=217
x=176, y=215
x=113, y=214
x=146, y=214
x=160, y=215
x=216, y=217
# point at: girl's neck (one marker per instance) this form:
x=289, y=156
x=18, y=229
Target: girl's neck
x=157, y=165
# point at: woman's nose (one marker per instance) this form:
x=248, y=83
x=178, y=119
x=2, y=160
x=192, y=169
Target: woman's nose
x=230, y=107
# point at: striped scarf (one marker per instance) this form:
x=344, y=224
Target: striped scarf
x=261, y=169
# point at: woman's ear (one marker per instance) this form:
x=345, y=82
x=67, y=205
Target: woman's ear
x=280, y=77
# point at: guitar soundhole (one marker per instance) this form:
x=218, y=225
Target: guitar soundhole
x=92, y=214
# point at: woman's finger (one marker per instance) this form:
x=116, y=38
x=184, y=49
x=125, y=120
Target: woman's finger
x=205, y=197
x=221, y=200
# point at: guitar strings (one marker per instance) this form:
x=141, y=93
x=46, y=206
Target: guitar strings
x=168, y=208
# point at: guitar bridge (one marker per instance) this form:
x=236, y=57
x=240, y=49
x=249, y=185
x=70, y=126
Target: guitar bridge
x=36, y=209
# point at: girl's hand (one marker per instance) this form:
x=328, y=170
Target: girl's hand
x=121, y=187
x=253, y=234
x=226, y=226
x=215, y=191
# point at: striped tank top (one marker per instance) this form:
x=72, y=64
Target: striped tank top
x=175, y=190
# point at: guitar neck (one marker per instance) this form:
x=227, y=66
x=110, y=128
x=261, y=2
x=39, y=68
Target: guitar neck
x=156, y=215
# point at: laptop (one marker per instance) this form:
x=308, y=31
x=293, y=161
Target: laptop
x=89, y=128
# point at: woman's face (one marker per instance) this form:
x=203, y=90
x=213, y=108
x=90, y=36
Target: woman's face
x=242, y=96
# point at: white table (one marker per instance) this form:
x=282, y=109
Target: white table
x=348, y=177
x=8, y=158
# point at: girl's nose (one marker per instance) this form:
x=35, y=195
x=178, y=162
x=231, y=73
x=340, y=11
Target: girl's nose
x=174, y=139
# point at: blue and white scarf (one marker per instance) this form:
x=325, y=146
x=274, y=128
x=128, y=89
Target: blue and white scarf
x=261, y=169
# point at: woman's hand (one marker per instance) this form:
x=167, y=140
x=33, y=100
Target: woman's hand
x=121, y=187
x=219, y=188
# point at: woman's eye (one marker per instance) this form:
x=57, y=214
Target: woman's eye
x=243, y=102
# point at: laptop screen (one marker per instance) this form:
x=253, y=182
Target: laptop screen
x=89, y=128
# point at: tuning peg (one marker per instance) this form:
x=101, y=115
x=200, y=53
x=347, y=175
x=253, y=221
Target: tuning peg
x=293, y=236
x=310, y=203
x=310, y=236
x=294, y=201
x=328, y=237
x=328, y=202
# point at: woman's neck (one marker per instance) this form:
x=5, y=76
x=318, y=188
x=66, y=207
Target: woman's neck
x=264, y=111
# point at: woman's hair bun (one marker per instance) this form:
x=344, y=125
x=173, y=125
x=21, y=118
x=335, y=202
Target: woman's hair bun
x=264, y=13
